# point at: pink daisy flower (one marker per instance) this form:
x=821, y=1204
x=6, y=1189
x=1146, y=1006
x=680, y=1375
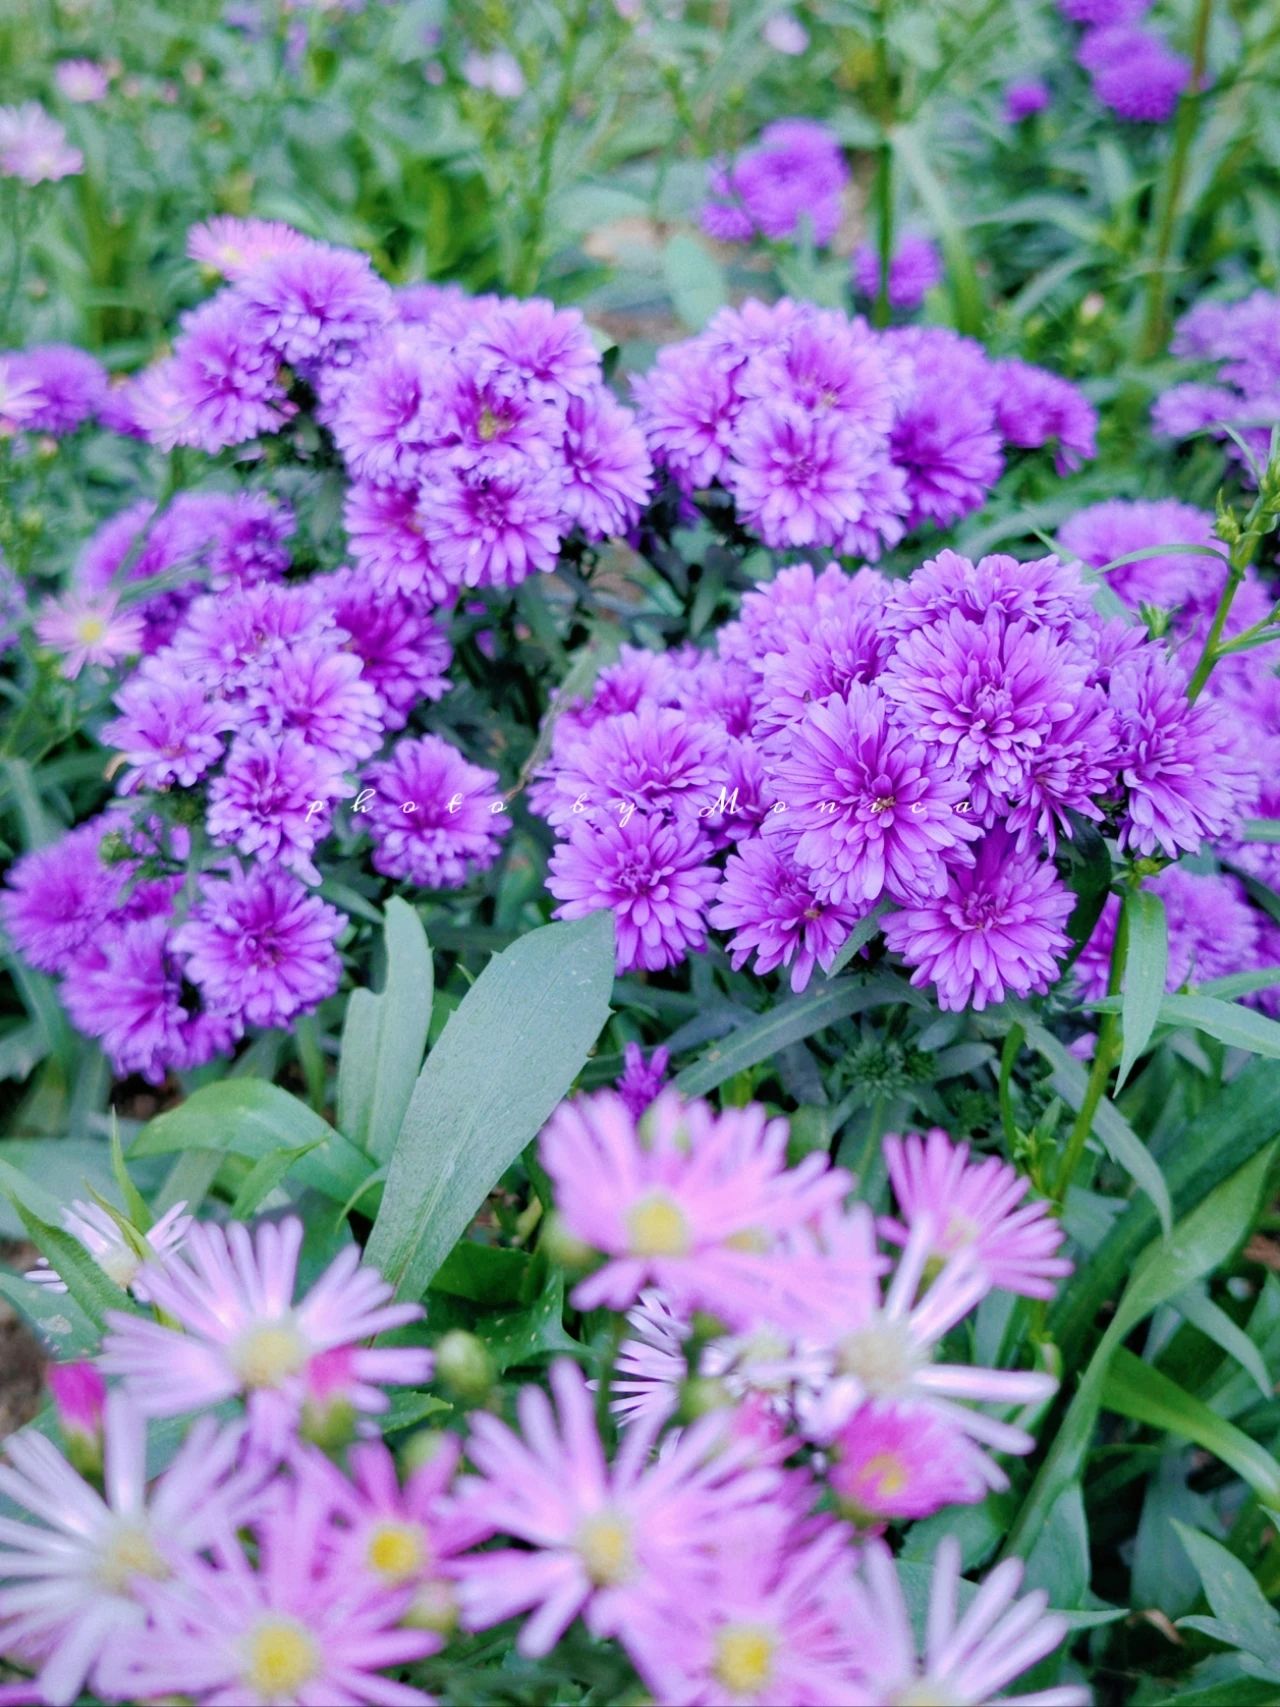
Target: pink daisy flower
x=234, y=247
x=293, y=1630
x=71, y=1576
x=240, y=1332
x=687, y=1199
x=968, y=1658
x=883, y=1347
x=891, y=1462
x=974, y=1207
x=116, y=1255
x=89, y=629
x=603, y=1540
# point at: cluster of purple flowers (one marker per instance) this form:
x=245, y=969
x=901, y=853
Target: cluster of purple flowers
x=268, y=698
x=827, y=434
x=796, y=172
x=853, y=741
x=285, y=1556
x=1242, y=341
x=1133, y=69
x=477, y=433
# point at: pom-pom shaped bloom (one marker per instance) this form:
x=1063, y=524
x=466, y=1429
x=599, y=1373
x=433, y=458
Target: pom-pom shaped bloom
x=914, y=268
x=684, y=1199
x=115, y=1255
x=601, y=1539
x=1035, y=407
x=34, y=146
x=547, y=350
x=653, y=875
x=868, y=809
x=997, y=929
x=314, y=303
x=1119, y=527
x=224, y=379
x=974, y=1207
x=771, y=907
x=796, y=170
x=494, y=521
x=609, y=472
x=387, y=541
x=68, y=387
x=323, y=694
x=168, y=731
x=239, y=1331
x=58, y=896
x=434, y=818
x=969, y=1656
x=654, y=759
x=260, y=946
x=1023, y=98
x=1135, y=73
x=74, y=1573
x=274, y=798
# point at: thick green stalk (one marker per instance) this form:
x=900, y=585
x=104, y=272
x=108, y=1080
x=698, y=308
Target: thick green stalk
x=1155, y=324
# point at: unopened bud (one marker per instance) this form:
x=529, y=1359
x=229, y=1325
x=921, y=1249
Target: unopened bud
x=465, y=1367
x=79, y=1394
x=563, y=1248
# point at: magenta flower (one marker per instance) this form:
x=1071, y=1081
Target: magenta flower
x=224, y=378
x=654, y=877
x=434, y=818
x=609, y=472
x=869, y=809
x=1118, y=528
x=169, y=731
x=88, y=629
x=975, y=1207
x=260, y=946
x=601, y=1539
x=74, y=1572
x=323, y=694
x=240, y=1332
x=115, y=1255
x=547, y=350
x=773, y=909
x=1023, y=98
x=1035, y=407
x=79, y=1396
x=388, y=542
x=496, y=521
x=69, y=387
x=686, y=1200
x=274, y=798
x=405, y=653
x=313, y=303
x=653, y=760
x=795, y=170
x=996, y=929
x=892, y=1462
x=968, y=1657
x=1135, y=72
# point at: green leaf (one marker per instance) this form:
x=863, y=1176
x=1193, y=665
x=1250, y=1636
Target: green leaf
x=1196, y=1307
x=486, y=1274
x=385, y=1036
x=507, y=1056
x=263, y=1178
x=859, y=936
x=789, y=1021
x=694, y=278
x=1239, y=1028
x=1260, y=830
x=65, y=1168
x=1231, y=1590
x=968, y=308
x=87, y=1284
x=1089, y=880
x=1146, y=964
x=1143, y=1393
x=250, y=1118
x=62, y=1327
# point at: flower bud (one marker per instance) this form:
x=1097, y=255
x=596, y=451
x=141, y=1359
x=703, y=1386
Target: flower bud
x=79, y=1394
x=465, y=1367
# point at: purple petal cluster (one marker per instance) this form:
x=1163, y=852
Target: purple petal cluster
x=795, y=171
x=1242, y=341
x=915, y=267
x=1135, y=72
x=34, y=147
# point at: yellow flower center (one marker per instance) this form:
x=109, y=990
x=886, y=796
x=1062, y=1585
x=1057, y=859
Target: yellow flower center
x=130, y=1553
x=89, y=630
x=744, y=1658
x=268, y=1355
x=657, y=1228
x=880, y=1357
x=883, y=1475
x=604, y=1546
x=396, y=1551
x=281, y=1656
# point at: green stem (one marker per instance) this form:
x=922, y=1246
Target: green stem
x=1155, y=325
x=529, y=264
x=884, y=166
x=1209, y=655
x=1105, y=1056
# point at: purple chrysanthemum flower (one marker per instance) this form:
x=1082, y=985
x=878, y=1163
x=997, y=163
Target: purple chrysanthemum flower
x=651, y=873
x=1100, y=14
x=1185, y=768
x=868, y=808
x=259, y=946
x=17, y=393
x=687, y=411
x=68, y=387
x=323, y=694
x=997, y=929
x=914, y=268
x=434, y=818
x=771, y=906
x=848, y=644
x=1074, y=767
x=315, y=303
x=1023, y=98
x=34, y=147
x=234, y=247
x=608, y=467
x=796, y=171
x=987, y=693
x=1035, y=407
x=655, y=759
x=125, y=987
x=404, y=651
x=1103, y=532
x=168, y=731
x=225, y=378
x=387, y=418
x=1046, y=593
x=274, y=798
x=231, y=640
x=802, y=479
x=641, y=1081
x=388, y=541
x=495, y=522
x=824, y=364
x=1135, y=73
x=1192, y=407
x=944, y=438
x=58, y=896
x=547, y=350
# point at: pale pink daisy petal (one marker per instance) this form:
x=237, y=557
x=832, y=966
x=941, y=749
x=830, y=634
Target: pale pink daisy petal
x=102, y=1237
